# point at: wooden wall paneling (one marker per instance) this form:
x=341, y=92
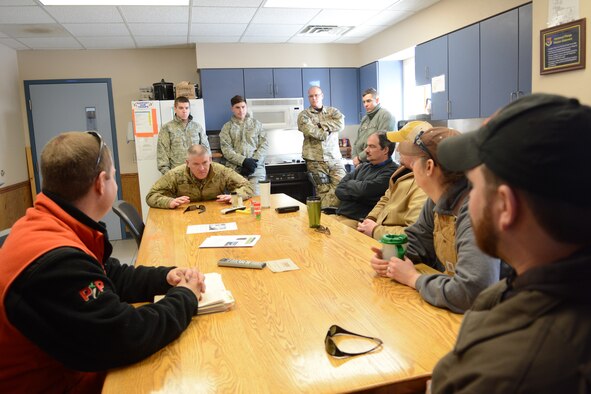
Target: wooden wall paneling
x=14, y=201
x=130, y=190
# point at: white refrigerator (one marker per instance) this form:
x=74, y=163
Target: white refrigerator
x=147, y=118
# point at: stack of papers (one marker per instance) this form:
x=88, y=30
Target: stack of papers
x=230, y=241
x=215, y=299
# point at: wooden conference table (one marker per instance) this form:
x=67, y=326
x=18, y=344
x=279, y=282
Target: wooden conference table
x=272, y=341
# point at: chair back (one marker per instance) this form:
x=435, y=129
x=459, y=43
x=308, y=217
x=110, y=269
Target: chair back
x=132, y=219
x=3, y=236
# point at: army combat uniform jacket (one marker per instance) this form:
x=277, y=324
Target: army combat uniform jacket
x=175, y=139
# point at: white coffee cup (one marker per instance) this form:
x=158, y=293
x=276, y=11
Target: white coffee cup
x=265, y=190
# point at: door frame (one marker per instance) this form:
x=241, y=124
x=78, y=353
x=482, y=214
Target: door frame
x=114, y=151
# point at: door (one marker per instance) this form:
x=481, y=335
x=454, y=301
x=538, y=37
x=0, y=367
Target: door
x=317, y=77
x=258, y=83
x=464, y=73
x=344, y=90
x=55, y=106
x=219, y=86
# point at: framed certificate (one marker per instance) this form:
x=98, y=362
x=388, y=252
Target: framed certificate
x=562, y=48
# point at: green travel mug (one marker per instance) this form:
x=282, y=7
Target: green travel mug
x=393, y=245
x=313, y=204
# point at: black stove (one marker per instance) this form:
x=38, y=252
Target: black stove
x=289, y=176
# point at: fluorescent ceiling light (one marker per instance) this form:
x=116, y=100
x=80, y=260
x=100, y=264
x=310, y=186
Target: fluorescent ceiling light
x=332, y=4
x=115, y=2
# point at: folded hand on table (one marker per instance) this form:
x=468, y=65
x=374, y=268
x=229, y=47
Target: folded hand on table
x=402, y=271
x=179, y=201
x=190, y=278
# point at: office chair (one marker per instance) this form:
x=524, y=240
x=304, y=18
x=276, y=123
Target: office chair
x=3, y=235
x=132, y=219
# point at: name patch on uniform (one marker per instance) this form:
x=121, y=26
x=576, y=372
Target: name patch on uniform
x=92, y=291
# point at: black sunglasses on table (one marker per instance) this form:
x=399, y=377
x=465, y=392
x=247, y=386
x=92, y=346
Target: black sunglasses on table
x=200, y=208
x=332, y=348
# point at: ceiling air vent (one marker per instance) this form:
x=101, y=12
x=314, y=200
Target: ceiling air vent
x=332, y=30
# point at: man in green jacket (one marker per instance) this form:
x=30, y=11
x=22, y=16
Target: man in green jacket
x=197, y=180
x=530, y=206
x=375, y=119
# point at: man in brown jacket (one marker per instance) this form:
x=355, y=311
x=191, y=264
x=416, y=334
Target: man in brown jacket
x=530, y=206
x=400, y=206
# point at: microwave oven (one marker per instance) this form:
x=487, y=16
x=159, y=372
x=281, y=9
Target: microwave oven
x=276, y=113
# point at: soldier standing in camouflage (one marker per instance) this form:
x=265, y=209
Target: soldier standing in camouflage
x=244, y=144
x=177, y=136
x=376, y=119
x=320, y=126
x=197, y=180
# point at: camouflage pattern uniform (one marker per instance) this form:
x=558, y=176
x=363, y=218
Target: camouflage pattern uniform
x=181, y=182
x=241, y=139
x=175, y=139
x=377, y=120
x=321, y=150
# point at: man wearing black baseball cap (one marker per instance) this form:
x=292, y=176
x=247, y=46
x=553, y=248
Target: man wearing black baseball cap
x=530, y=205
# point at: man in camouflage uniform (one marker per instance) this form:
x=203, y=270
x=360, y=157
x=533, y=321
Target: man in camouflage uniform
x=197, y=180
x=244, y=144
x=321, y=126
x=375, y=119
x=177, y=136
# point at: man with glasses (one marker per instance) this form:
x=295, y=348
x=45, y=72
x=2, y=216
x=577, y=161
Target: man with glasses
x=361, y=189
x=528, y=333
x=199, y=179
x=321, y=126
x=176, y=136
x=65, y=317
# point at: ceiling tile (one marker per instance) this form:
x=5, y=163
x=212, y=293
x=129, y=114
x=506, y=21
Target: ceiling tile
x=343, y=17
x=349, y=40
x=214, y=39
x=221, y=15
x=85, y=14
x=14, y=44
x=158, y=41
x=272, y=30
x=265, y=39
x=291, y=16
x=313, y=39
x=120, y=42
x=51, y=43
x=218, y=29
x=34, y=30
x=228, y=3
x=412, y=5
x=97, y=29
x=159, y=29
x=364, y=31
x=17, y=2
x=155, y=14
x=388, y=18
x=24, y=15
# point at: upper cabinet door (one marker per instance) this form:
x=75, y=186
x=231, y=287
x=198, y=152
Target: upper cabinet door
x=219, y=86
x=316, y=77
x=431, y=62
x=344, y=91
x=464, y=73
x=287, y=82
x=525, y=54
x=499, y=56
x=258, y=83
x=368, y=78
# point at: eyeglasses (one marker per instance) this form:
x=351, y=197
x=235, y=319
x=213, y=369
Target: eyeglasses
x=102, y=147
x=199, y=207
x=422, y=146
x=332, y=348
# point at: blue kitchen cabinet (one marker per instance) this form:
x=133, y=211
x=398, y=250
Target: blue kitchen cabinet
x=316, y=77
x=430, y=62
x=499, y=61
x=464, y=73
x=272, y=82
x=218, y=87
x=525, y=40
x=368, y=78
x=344, y=92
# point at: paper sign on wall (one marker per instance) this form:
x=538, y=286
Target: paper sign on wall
x=438, y=84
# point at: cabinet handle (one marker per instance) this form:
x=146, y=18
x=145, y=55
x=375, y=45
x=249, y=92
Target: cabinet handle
x=448, y=108
x=513, y=94
x=427, y=73
x=276, y=90
x=520, y=93
x=270, y=89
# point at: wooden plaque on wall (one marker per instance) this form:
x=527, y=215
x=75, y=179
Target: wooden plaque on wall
x=562, y=48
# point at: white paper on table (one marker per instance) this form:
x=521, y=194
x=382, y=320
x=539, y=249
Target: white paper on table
x=438, y=84
x=230, y=241
x=282, y=265
x=210, y=228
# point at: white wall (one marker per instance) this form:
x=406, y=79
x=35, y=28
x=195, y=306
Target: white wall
x=12, y=140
